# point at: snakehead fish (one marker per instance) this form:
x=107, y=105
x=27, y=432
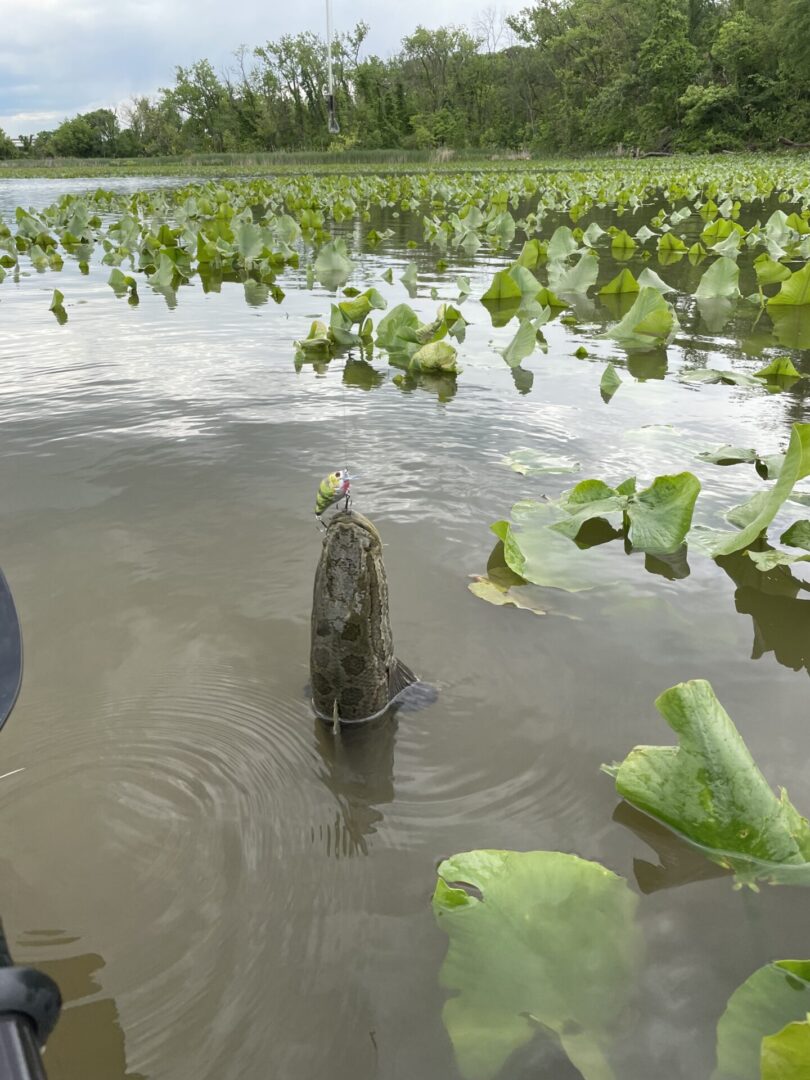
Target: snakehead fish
x=355, y=675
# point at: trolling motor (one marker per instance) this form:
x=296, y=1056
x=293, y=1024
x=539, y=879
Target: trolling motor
x=30, y=1001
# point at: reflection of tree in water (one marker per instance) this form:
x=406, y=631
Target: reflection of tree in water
x=358, y=768
x=87, y=1043
x=781, y=618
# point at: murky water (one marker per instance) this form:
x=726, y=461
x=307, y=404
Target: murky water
x=222, y=889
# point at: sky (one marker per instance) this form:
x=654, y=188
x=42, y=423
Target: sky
x=61, y=57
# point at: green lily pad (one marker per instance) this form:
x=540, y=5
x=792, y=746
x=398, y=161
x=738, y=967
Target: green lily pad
x=500, y=596
x=539, y=940
x=786, y=1055
x=768, y=1000
x=609, y=383
x=709, y=790
x=794, y=291
x=435, y=356
x=529, y=462
x=795, y=466
x=721, y=279
x=333, y=265
x=650, y=323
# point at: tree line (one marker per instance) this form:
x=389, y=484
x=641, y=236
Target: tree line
x=561, y=75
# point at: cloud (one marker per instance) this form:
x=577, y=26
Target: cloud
x=60, y=57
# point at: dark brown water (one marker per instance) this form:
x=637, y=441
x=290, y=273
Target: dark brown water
x=223, y=890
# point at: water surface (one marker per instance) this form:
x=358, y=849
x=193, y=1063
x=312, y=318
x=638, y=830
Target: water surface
x=222, y=888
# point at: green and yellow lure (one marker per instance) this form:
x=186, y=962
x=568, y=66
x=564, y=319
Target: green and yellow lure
x=332, y=489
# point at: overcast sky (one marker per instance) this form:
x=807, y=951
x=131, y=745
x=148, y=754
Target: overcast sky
x=60, y=57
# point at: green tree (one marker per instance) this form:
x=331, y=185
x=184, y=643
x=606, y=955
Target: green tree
x=7, y=147
x=667, y=62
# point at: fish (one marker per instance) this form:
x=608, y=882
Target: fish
x=355, y=675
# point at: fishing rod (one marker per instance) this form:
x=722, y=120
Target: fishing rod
x=332, y=123
x=30, y=1001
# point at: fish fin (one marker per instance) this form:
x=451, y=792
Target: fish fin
x=399, y=676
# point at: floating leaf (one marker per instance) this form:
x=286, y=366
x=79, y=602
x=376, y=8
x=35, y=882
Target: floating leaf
x=543, y=556
x=797, y=535
x=794, y=291
x=781, y=370
x=721, y=279
x=333, y=265
x=669, y=243
x=529, y=462
x=577, y=279
x=503, y=287
x=624, y=282
x=719, y=375
x=409, y=278
x=768, y=1000
x=786, y=1055
x=770, y=559
x=650, y=322
x=57, y=307
x=539, y=940
x=391, y=327
x=357, y=309
x=609, y=383
x=523, y=343
x=729, y=455
x=709, y=790
x=622, y=245
x=561, y=245
x=661, y=515
x=648, y=277
x=486, y=589
x=795, y=466
x=769, y=272
x=435, y=356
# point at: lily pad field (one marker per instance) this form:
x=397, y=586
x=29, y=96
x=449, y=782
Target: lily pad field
x=574, y=398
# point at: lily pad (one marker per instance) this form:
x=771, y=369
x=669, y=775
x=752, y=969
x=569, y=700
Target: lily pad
x=795, y=466
x=529, y=462
x=768, y=1000
x=709, y=790
x=609, y=383
x=650, y=323
x=720, y=280
x=539, y=940
x=786, y=1055
x=500, y=596
x=333, y=265
x=794, y=291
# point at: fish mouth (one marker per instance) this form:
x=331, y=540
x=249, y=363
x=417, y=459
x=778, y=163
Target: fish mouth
x=351, y=517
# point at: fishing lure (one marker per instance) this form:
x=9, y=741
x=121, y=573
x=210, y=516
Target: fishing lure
x=332, y=489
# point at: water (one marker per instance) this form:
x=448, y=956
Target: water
x=224, y=891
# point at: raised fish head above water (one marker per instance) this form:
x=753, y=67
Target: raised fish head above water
x=352, y=660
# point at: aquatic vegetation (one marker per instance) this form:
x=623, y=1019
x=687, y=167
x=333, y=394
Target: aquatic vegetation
x=786, y=1054
x=547, y=543
x=709, y=790
x=528, y=462
x=539, y=941
x=751, y=1036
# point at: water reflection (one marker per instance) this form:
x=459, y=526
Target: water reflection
x=361, y=375
x=88, y=1042
x=780, y=616
x=678, y=863
x=358, y=768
